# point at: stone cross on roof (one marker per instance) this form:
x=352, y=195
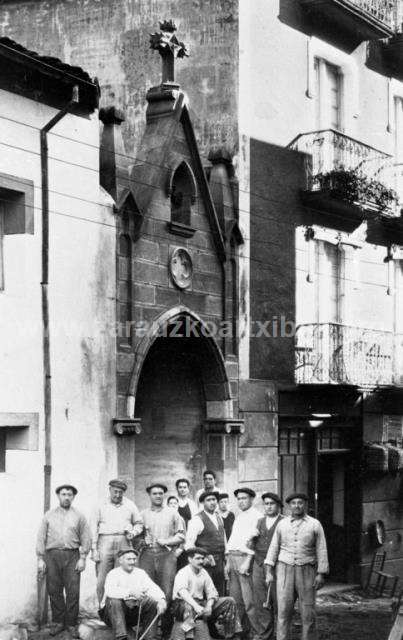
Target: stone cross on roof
x=169, y=48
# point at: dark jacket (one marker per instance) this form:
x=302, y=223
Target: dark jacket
x=262, y=542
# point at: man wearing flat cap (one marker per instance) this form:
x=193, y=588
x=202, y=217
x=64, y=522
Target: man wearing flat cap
x=114, y=523
x=206, y=530
x=164, y=530
x=264, y=601
x=64, y=540
x=298, y=551
x=131, y=597
x=240, y=556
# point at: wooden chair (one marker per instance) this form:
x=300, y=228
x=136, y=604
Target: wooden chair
x=379, y=582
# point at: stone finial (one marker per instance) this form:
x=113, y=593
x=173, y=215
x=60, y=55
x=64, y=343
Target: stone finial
x=169, y=48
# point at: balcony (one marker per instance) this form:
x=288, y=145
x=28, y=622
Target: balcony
x=330, y=353
x=392, y=51
x=359, y=20
x=346, y=177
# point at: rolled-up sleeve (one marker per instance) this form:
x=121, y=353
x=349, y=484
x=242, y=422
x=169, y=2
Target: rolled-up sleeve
x=321, y=550
x=179, y=526
x=137, y=521
x=85, y=536
x=274, y=548
x=153, y=590
x=195, y=528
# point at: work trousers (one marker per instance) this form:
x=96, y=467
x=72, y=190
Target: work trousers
x=161, y=568
x=216, y=573
x=108, y=548
x=63, y=585
x=241, y=590
x=265, y=615
x=293, y=582
x=116, y=614
x=224, y=612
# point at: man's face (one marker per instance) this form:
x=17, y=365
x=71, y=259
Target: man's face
x=173, y=503
x=116, y=495
x=66, y=497
x=223, y=505
x=183, y=489
x=128, y=562
x=156, y=496
x=297, y=507
x=209, y=481
x=197, y=561
x=244, y=501
x=271, y=507
x=210, y=504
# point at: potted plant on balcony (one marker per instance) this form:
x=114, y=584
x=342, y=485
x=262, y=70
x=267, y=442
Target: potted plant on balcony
x=356, y=188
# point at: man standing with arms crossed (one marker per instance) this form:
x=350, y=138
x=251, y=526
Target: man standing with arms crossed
x=64, y=540
x=298, y=551
x=114, y=523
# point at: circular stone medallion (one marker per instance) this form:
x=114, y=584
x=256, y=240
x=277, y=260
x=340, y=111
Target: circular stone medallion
x=181, y=268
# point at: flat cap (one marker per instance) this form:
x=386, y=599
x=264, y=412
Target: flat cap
x=207, y=494
x=247, y=490
x=294, y=496
x=123, y=552
x=221, y=496
x=69, y=487
x=158, y=485
x=119, y=484
x=272, y=496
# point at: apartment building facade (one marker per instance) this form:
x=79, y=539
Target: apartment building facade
x=282, y=236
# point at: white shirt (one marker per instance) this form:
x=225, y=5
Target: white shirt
x=111, y=518
x=136, y=584
x=244, y=529
x=199, y=585
x=196, y=526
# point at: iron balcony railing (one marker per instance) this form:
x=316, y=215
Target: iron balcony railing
x=330, y=149
x=382, y=10
x=332, y=353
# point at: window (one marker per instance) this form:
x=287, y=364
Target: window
x=3, y=435
x=183, y=195
x=328, y=95
x=398, y=177
x=125, y=288
x=329, y=290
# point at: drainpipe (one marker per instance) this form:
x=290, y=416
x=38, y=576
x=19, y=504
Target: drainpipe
x=47, y=388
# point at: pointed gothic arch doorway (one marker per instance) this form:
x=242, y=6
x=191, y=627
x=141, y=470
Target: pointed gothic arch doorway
x=179, y=383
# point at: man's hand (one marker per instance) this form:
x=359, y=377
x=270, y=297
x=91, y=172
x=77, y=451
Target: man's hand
x=95, y=556
x=244, y=568
x=161, y=607
x=199, y=611
x=41, y=568
x=130, y=603
x=269, y=576
x=80, y=565
x=319, y=581
x=207, y=612
x=209, y=561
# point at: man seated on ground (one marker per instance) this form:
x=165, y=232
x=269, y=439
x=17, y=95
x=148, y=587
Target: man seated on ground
x=195, y=596
x=130, y=597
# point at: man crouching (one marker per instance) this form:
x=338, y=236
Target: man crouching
x=131, y=598
x=195, y=597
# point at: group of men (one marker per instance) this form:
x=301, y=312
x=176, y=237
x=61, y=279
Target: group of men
x=197, y=567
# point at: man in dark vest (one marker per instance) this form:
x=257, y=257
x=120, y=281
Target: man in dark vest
x=264, y=602
x=206, y=530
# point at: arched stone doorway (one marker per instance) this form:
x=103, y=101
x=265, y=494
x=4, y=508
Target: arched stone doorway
x=181, y=382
